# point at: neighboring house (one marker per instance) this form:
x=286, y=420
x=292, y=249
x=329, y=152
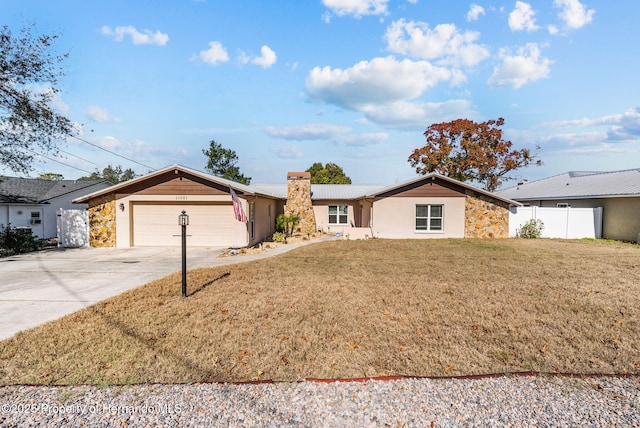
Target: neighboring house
x=34, y=203
x=144, y=211
x=617, y=192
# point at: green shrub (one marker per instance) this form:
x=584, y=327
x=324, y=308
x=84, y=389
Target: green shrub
x=279, y=237
x=287, y=223
x=16, y=241
x=531, y=229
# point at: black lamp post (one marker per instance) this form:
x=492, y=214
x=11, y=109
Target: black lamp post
x=183, y=220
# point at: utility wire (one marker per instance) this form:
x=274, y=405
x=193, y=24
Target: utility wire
x=62, y=163
x=113, y=153
x=76, y=156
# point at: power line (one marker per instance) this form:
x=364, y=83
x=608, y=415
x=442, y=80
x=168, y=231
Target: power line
x=62, y=163
x=81, y=158
x=113, y=153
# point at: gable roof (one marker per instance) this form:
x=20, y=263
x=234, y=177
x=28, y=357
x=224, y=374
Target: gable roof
x=17, y=190
x=279, y=191
x=435, y=176
x=177, y=168
x=579, y=185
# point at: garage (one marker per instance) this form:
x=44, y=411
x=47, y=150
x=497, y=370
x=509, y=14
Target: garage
x=156, y=224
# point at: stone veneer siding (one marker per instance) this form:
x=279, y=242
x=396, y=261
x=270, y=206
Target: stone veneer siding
x=485, y=219
x=102, y=221
x=299, y=201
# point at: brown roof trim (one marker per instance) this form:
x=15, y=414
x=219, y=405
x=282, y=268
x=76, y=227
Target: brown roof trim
x=178, y=169
x=434, y=176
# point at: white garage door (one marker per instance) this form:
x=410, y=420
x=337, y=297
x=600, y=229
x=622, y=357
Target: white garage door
x=157, y=224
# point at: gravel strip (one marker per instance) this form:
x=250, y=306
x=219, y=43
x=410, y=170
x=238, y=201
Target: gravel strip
x=518, y=401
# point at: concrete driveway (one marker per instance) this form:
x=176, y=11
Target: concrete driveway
x=45, y=285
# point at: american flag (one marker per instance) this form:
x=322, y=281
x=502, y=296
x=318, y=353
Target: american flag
x=237, y=207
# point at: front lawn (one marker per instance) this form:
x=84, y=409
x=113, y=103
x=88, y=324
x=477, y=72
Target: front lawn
x=356, y=309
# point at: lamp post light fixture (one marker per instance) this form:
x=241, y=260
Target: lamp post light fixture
x=183, y=221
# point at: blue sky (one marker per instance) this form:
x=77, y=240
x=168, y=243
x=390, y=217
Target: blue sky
x=286, y=83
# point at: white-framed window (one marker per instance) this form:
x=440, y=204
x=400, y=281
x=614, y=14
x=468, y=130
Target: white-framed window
x=429, y=217
x=338, y=214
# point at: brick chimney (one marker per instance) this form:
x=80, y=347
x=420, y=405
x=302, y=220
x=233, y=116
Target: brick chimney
x=299, y=200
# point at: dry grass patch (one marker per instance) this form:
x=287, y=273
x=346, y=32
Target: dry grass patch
x=356, y=309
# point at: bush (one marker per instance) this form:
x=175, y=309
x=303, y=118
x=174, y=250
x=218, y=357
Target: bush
x=531, y=229
x=16, y=241
x=279, y=237
x=286, y=223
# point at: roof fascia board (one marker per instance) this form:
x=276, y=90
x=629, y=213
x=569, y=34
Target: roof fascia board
x=434, y=176
x=212, y=178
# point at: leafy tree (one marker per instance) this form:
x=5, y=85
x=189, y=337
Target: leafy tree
x=29, y=73
x=222, y=162
x=327, y=174
x=51, y=176
x=470, y=151
x=112, y=174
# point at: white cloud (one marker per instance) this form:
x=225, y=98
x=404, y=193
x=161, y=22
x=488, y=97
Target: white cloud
x=474, y=12
x=100, y=114
x=286, y=152
x=525, y=66
x=553, y=30
x=574, y=14
x=621, y=127
x=54, y=97
x=146, y=37
x=522, y=18
x=379, y=81
x=215, y=54
x=367, y=139
x=267, y=58
x=416, y=115
x=445, y=43
x=312, y=131
x=357, y=8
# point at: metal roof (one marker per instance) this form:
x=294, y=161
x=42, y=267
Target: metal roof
x=279, y=191
x=578, y=185
x=322, y=191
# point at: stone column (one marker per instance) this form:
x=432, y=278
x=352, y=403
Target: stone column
x=299, y=200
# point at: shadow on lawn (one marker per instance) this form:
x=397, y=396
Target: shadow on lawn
x=203, y=374
x=206, y=284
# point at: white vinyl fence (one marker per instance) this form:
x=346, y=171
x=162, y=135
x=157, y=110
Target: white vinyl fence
x=73, y=228
x=567, y=223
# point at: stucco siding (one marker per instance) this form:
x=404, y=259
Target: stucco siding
x=125, y=220
x=395, y=218
x=321, y=211
x=264, y=219
x=621, y=219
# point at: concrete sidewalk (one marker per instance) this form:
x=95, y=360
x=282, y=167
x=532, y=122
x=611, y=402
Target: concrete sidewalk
x=46, y=285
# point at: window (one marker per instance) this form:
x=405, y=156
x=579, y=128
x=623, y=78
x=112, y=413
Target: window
x=338, y=214
x=35, y=218
x=429, y=217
